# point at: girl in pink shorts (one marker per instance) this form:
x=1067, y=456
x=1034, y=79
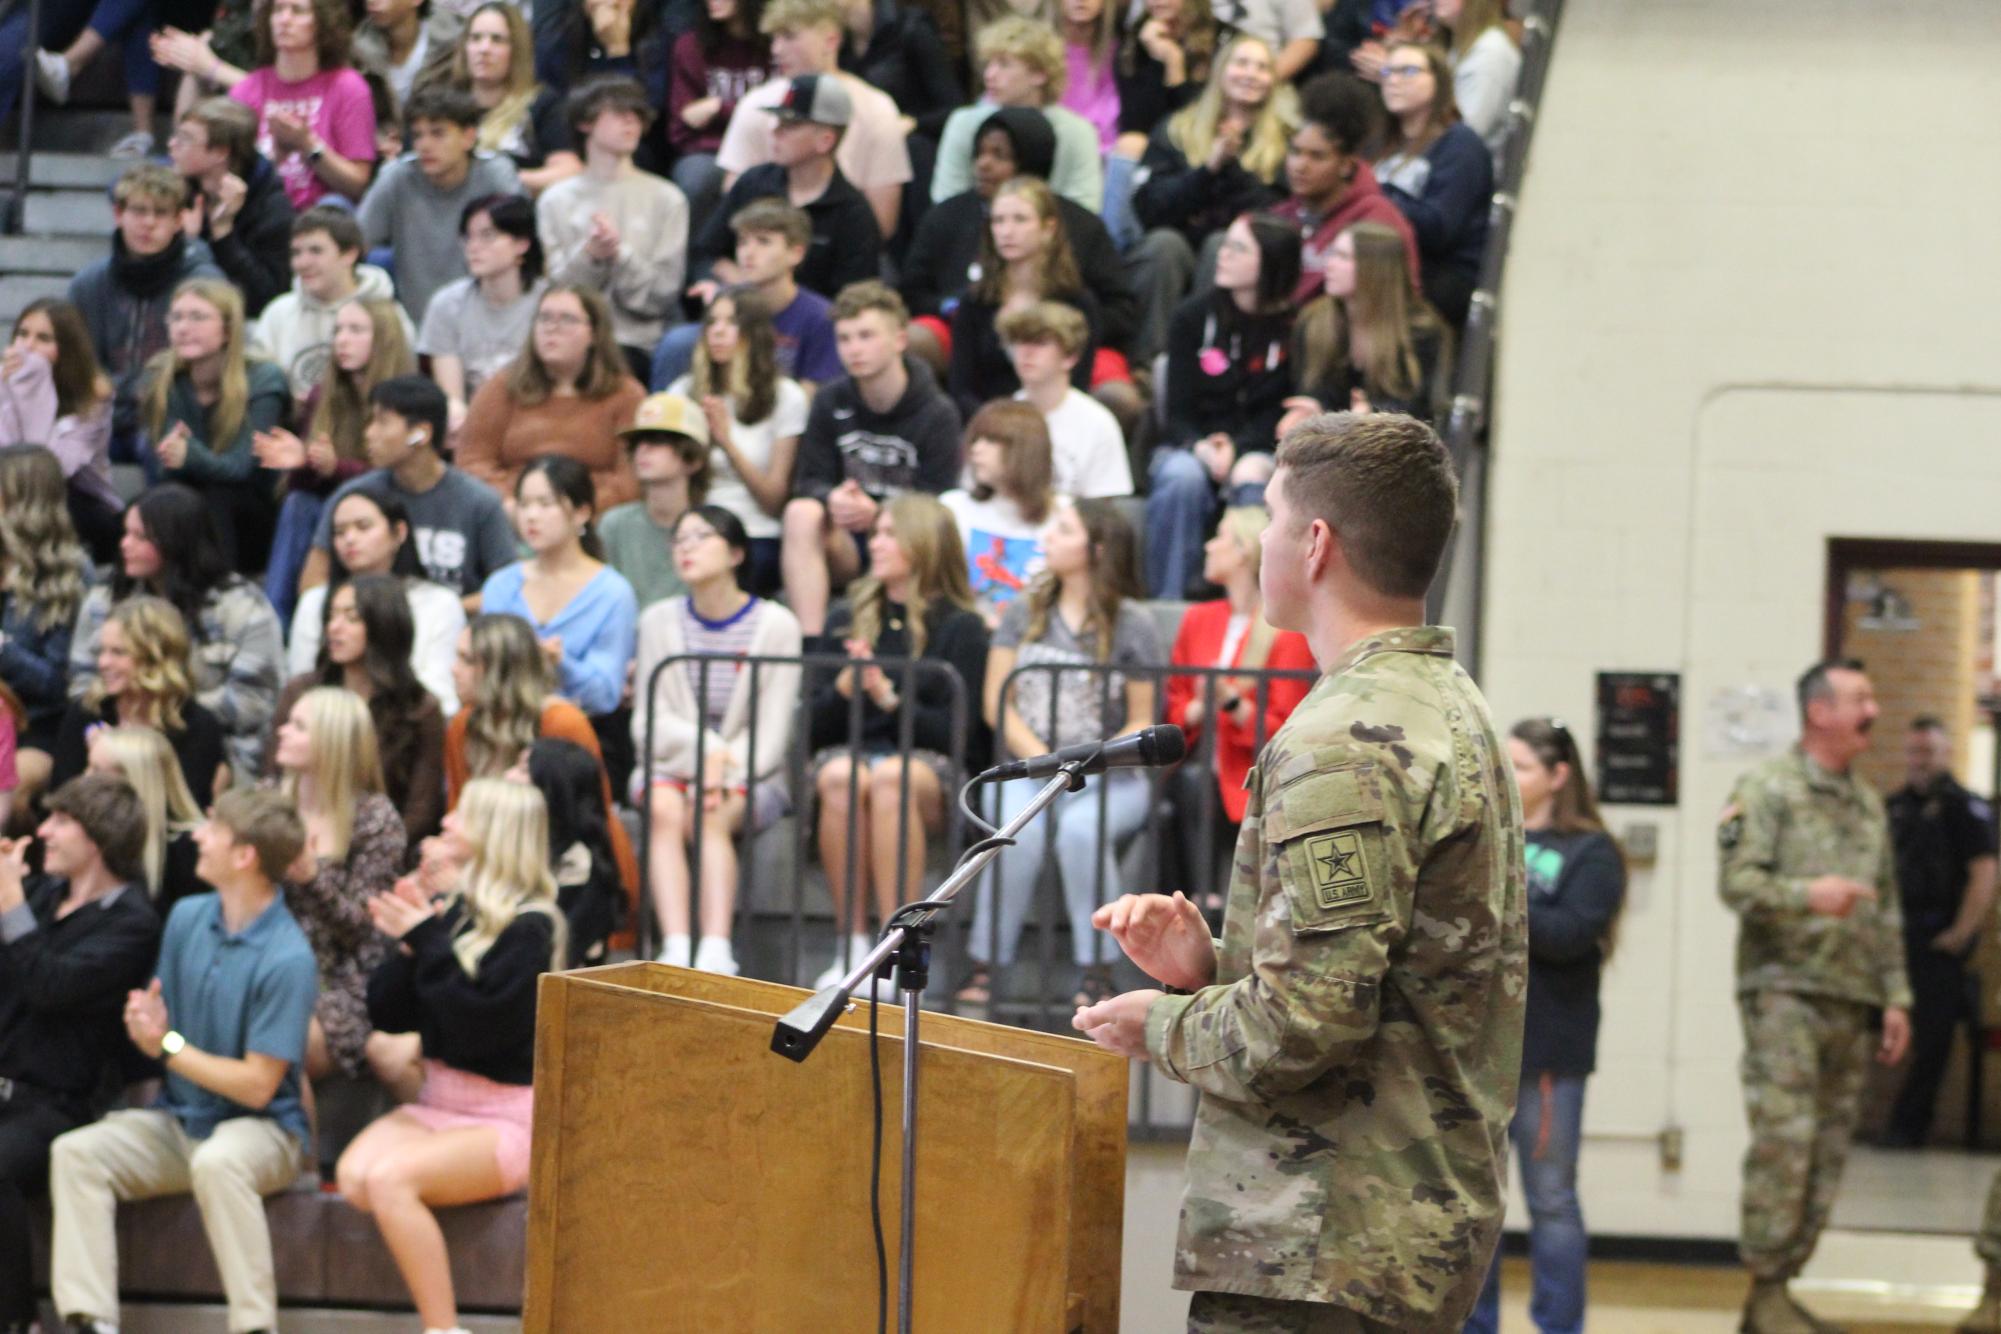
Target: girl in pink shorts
x=463, y=977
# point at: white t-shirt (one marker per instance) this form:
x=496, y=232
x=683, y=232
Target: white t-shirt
x=726, y=488
x=438, y=616
x=1088, y=448
x=1003, y=549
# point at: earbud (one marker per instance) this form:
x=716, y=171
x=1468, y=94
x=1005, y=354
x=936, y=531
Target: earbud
x=416, y=438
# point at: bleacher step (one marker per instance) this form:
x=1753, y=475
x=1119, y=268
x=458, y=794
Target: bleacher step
x=18, y=289
x=62, y=255
x=68, y=213
x=53, y=170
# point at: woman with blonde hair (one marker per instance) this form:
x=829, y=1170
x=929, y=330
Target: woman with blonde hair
x=1576, y=890
x=1025, y=257
x=145, y=678
x=142, y=757
x=568, y=393
x=463, y=976
x=495, y=62
x=1217, y=158
x=42, y=581
x=915, y=602
x=1084, y=610
x=707, y=701
x=328, y=764
x=368, y=347
x=53, y=393
x=1438, y=173
x=1370, y=343
x=506, y=687
x=1486, y=66
x=1230, y=632
x=204, y=403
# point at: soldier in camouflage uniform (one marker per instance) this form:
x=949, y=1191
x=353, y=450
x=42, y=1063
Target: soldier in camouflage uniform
x=1356, y=1034
x=1807, y=865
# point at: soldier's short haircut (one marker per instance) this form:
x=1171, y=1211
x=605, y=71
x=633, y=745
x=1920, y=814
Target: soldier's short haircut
x=1926, y=722
x=1385, y=484
x=1814, y=684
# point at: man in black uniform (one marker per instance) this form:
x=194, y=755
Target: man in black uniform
x=1944, y=838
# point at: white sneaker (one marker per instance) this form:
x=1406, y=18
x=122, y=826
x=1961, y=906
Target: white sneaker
x=52, y=76
x=673, y=950
x=133, y=147
x=713, y=955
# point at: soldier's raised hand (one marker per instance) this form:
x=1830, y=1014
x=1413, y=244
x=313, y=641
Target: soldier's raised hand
x=1836, y=895
x=1166, y=937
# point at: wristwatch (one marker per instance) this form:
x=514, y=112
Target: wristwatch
x=171, y=1044
x=316, y=152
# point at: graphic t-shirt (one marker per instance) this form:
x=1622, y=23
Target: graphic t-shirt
x=335, y=103
x=1084, y=709
x=1003, y=549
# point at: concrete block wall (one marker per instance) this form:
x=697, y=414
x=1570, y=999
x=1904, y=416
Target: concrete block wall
x=1749, y=308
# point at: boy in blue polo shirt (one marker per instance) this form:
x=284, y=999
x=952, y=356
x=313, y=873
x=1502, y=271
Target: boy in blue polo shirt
x=226, y=1015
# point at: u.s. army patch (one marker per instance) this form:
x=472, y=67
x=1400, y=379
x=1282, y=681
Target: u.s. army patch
x=1339, y=868
x=1729, y=826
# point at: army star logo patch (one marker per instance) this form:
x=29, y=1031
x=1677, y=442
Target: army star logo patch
x=1340, y=874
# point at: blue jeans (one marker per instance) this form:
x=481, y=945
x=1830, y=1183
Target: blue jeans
x=1081, y=858
x=1548, y=1124
x=1179, y=503
x=672, y=357
x=1120, y=219
x=297, y=518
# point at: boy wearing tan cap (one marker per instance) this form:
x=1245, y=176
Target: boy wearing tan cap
x=669, y=441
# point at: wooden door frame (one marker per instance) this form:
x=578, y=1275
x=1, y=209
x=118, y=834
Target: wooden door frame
x=1845, y=555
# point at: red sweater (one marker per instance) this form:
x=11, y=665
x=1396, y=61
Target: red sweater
x=1197, y=644
x=1364, y=202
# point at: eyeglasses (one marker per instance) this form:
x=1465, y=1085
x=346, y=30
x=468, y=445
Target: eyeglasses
x=1404, y=71
x=547, y=319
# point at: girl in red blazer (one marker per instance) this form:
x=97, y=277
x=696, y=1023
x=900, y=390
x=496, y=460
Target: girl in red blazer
x=1229, y=632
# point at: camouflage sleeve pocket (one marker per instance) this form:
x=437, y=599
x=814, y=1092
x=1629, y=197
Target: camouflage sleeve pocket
x=1325, y=831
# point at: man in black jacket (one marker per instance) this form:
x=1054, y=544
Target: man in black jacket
x=73, y=942
x=239, y=206
x=846, y=245
x=880, y=430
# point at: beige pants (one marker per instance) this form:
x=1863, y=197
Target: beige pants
x=137, y=1155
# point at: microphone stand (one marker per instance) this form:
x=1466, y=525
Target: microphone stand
x=906, y=946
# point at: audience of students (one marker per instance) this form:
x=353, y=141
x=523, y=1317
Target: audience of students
x=1332, y=185
x=143, y=757
x=706, y=704
x=1371, y=343
x=315, y=115
x=43, y=576
x=1045, y=342
x=1486, y=66
x=1022, y=64
x=495, y=62
x=715, y=64
x=1004, y=511
x=239, y=206
x=296, y=329
x=1438, y=173
x=772, y=239
x=475, y=325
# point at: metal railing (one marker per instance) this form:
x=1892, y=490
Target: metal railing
x=1469, y=415
x=15, y=219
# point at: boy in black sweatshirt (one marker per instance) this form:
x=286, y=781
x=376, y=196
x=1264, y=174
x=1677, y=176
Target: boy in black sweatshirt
x=880, y=430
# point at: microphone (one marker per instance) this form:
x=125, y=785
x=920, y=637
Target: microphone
x=1147, y=748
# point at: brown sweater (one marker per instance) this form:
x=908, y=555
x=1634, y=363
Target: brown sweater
x=502, y=434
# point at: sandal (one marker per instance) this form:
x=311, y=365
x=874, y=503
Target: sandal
x=1093, y=986
x=977, y=989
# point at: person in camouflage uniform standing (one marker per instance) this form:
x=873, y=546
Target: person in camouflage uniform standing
x=1807, y=865
x=1357, y=1033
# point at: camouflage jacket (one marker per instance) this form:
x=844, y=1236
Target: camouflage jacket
x=1790, y=821
x=1359, y=1053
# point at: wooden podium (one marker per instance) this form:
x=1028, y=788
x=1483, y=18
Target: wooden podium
x=686, y=1177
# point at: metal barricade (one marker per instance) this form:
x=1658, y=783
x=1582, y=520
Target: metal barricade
x=814, y=668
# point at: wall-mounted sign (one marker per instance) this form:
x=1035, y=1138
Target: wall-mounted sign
x=1747, y=722
x=1639, y=738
